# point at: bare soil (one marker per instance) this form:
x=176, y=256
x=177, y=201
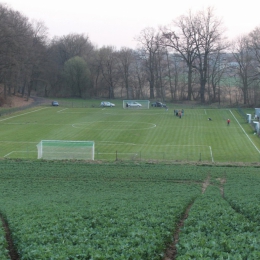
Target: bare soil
x=16, y=101
x=205, y=184
x=222, y=182
x=171, y=251
x=13, y=254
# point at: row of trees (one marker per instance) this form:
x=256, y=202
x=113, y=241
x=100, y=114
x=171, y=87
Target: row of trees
x=187, y=60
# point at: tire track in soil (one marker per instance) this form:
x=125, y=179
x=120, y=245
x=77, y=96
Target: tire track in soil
x=171, y=251
x=205, y=184
x=221, y=188
x=13, y=254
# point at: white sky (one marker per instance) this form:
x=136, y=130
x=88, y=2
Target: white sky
x=117, y=22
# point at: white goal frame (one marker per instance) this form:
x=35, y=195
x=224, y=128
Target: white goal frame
x=145, y=104
x=66, y=150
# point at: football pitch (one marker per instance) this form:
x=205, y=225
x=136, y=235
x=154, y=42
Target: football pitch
x=133, y=134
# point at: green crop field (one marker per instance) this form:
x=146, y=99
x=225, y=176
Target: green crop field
x=76, y=210
x=133, y=134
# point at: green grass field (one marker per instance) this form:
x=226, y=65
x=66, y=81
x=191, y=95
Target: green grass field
x=133, y=134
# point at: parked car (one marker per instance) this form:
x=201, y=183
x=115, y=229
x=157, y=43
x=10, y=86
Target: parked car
x=133, y=104
x=106, y=104
x=158, y=104
x=54, y=103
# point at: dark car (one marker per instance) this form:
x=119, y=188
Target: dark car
x=54, y=103
x=158, y=104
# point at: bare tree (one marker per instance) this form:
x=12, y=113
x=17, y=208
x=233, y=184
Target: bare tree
x=149, y=41
x=125, y=62
x=161, y=65
x=15, y=36
x=195, y=38
x=245, y=69
x=254, y=45
x=208, y=39
x=179, y=37
x=140, y=76
x=109, y=68
x=37, y=62
x=169, y=74
x=96, y=73
x=217, y=69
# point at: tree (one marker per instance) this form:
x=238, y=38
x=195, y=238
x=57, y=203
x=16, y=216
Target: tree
x=245, y=69
x=180, y=39
x=61, y=49
x=254, y=45
x=125, y=61
x=37, y=62
x=140, y=77
x=207, y=36
x=217, y=68
x=109, y=68
x=69, y=46
x=149, y=41
x=196, y=38
x=15, y=34
x=77, y=76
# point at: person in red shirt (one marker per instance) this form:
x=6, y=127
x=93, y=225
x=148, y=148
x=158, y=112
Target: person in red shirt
x=228, y=121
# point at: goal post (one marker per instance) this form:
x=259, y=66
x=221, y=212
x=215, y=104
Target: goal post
x=62, y=150
x=136, y=104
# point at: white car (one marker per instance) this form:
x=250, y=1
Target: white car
x=106, y=104
x=133, y=104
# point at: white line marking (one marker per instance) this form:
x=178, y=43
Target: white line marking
x=61, y=110
x=158, y=145
x=19, y=152
x=19, y=142
x=245, y=132
x=117, y=153
x=113, y=128
x=115, y=143
x=205, y=111
x=211, y=154
x=8, y=154
x=23, y=114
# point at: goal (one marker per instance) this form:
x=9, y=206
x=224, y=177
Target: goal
x=62, y=150
x=138, y=104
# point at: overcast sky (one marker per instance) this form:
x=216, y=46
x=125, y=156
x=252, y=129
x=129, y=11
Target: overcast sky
x=118, y=22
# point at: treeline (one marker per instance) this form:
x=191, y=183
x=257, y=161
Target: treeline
x=189, y=59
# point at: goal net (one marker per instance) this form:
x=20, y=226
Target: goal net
x=62, y=150
x=136, y=104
